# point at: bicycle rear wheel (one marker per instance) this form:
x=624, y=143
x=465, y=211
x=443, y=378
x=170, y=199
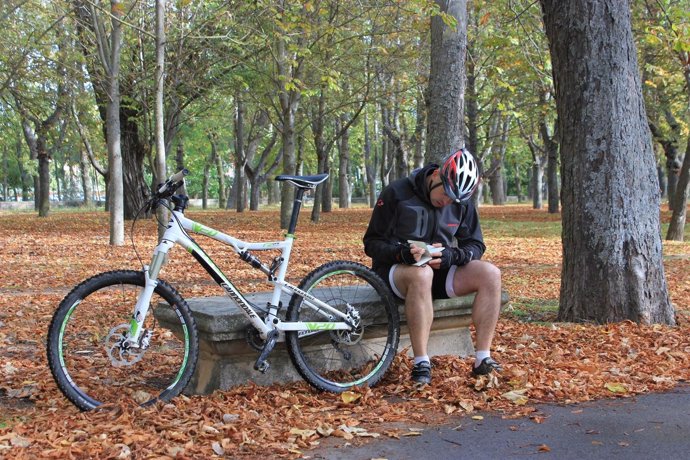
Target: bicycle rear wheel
x=88, y=355
x=334, y=360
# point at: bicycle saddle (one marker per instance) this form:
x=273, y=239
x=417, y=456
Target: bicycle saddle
x=304, y=181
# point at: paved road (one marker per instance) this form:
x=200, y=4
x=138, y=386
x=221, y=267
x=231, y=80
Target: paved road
x=645, y=427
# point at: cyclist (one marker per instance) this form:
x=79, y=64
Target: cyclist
x=433, y=205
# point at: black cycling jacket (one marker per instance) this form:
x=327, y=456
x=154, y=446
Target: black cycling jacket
x=403, y=212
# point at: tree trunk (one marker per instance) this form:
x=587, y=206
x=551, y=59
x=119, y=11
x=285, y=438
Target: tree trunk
x=677, y=228
x=669, y=143
x=472, y=104
x=5, y=172
x=518, y=183
x=289, y=103
x=220, y=172
x=447, y=82
x=344, y=166
x=204, y=184
x=180, y=164
x=44, y=185
x=612, y=260
x=551, y=157
x=370, y=164
x=240, y=156
x=552, y=176
x=537, y=183
x=496, y=184
x=133, y=154
x=59, y=189
x=85, y=178
x=417, y=139
x=160, y=172
x=318, y=119
x=116, y=201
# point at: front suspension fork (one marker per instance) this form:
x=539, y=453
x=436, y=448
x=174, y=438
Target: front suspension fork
x=141, y=309
x=151, y=272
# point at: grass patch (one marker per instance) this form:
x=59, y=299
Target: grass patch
x=664, y=231
x=541, y=311
x=521, y=229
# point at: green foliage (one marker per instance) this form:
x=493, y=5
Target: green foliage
x=338, y=57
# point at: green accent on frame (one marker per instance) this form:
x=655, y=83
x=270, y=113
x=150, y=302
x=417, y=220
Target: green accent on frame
x=320, y=326
x=204, y=230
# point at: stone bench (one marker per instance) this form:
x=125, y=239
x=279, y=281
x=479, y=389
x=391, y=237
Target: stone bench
x=226, y=359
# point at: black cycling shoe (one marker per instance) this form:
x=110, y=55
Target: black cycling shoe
x=421, y=372
x=487, y=366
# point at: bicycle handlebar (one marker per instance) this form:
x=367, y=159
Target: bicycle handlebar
x=179, y=175
x=174, y=180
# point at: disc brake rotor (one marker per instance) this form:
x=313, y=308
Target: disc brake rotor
x=119, y=348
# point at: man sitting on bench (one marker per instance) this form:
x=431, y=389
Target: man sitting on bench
x=433, y=206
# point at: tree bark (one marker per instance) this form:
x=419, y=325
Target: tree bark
x=676, y=230
x=259, y=173
x=370, y=164
x=670, y=145
x=116, y=200
x=537, y=182
x=447, y=82
x=220, y=172
x=612, y=258
x=160, y=172
x=5, y=172
x=344, y=165
x=552, y=175
x=133, y=153
x=289, y=99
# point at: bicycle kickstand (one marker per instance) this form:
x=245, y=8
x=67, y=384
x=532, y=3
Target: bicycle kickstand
x=261, y=364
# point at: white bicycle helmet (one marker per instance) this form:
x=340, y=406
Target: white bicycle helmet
x=460, y=175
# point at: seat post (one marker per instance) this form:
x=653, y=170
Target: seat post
x=296, y=206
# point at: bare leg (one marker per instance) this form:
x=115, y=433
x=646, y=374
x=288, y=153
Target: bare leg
x=415, y=284
x=483, y=278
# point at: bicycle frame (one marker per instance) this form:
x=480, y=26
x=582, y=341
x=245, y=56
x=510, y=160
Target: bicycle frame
x=176, y=233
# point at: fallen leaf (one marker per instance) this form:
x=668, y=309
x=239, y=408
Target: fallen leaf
x=325, y=431
x=467, y=406
x=217, y=448
x=19, y=441
x=229, y=418
x=517, y=396
x=349, y=396
x=615, y=387
x=304, y=434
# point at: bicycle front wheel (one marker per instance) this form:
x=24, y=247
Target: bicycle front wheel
x=336, y=360
x=90, y=357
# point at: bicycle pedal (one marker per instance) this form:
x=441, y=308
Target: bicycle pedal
x=262, y=366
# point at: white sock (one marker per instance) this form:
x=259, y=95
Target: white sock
x=419, y=359
x=480, y=356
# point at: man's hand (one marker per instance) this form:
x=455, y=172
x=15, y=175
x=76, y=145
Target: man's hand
x=410, y=255
x=436, y=262
x=450, y=257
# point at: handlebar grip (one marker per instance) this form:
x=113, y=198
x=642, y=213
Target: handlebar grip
x=179, y=175
x=174, y=181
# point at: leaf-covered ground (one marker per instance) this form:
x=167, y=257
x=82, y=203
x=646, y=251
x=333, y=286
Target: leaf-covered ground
x=41, y=259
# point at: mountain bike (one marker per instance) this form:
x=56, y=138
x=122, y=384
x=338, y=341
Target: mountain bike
x=341, y=326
